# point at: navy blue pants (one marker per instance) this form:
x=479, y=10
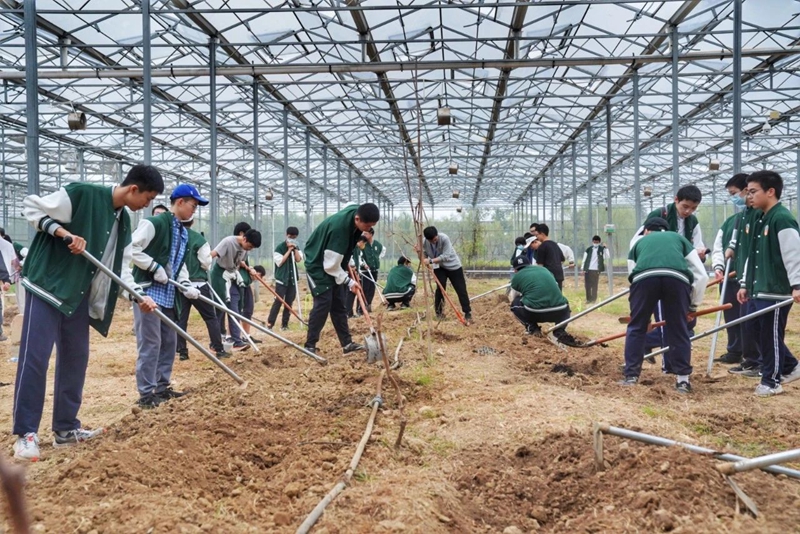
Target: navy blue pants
x=330, y=302
x=751, y=350
x=287, y=293
x=233, y=323
x=734, y=332
x=531, y=317
x=42, y=326
x=675, y=297
x=657, y=338
x=776, y=359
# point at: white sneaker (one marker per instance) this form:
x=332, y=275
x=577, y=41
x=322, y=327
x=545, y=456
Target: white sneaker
x=762, y=390
x=73, y=437
x=791, y=377
x=27, y=447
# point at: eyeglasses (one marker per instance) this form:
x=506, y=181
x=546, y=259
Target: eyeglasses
x=751, y=192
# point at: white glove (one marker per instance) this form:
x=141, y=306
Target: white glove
x=229, y=275
x=350, y=283
x=239, y=279
x=160, y=275
x=190, y=292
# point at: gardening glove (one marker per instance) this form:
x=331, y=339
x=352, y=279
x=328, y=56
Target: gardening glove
x=190, y=292
x=160, y=275
x=239, y=279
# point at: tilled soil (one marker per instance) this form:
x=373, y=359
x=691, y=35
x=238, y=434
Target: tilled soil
x=498, y=436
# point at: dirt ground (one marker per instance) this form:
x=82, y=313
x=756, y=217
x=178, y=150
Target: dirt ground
x=498, y=438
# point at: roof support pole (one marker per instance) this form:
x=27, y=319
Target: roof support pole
x=714, y=202
x=676, y=161
x=325, y=182
x=553, y=201
x=285, y=120
x=349, y=184
x=32, y=103
x=214, y=198
x=147, y=85
x=308, y=184
x=575, y=215
x=797, y=182
x=256, y=199
x=561, y=206
x=589, y=176
x=737, y=86
x=358, y=186
x=637, y=189
x=609, y=267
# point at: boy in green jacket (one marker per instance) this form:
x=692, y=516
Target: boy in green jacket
x=328, y=251
x=159, y=254
x=771, y=274
x=285, y=257
x=67, y=295
x=401, y=284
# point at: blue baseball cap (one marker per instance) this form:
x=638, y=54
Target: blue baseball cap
x=188, y=191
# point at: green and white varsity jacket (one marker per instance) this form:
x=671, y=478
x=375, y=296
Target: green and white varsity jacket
x=329, y=248
x=772, y=269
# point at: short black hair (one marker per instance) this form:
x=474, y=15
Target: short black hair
x=2, y=232
x=292, y=230
x=371, y=231
x=430, y=232
x=739, y=181
x=767, y=180
x=596, y=238
x=520, y=240
x=253, y=237
x=656, y=224
x=362, y=239
x=689, y=192
x=402, y=260
x=543, y=229
x=158, y=207
x=534, y=227
x=526, y=235
x=145, y=177
x=8, y=238
x=368, y=213
x=241, y=228
x=260, y=270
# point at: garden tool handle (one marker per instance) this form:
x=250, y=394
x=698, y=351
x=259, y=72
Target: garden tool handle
x=285, y=304
x=362, y=301
x=689, y=316
x=166, y=320
x=446, y=296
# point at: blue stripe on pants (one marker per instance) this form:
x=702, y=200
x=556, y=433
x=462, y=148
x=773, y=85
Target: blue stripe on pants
x=156, y=343
x=42, y=327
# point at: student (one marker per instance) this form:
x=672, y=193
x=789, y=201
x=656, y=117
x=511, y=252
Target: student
x=594, y=259
x=226, y=279
x=67, y=295
x=198, y=263
x=519, y=248
x=736, y=187
x=247, y=302
x=286, y=256
x=328, y=252
x=373, y=252
x=441, y=255
x=536, y=298
x=680, y=218
x=548, y=254
x=401, y=284
x=262, y=272
x=359, y=263
x=158, y=209
x=6, y=257
x=159, y=252
x=738, y=250
x=664, y=266
x=772, y=273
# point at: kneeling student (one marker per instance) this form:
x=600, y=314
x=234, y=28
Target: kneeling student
x=664, y=266
x=401, y=284
x=536, y=298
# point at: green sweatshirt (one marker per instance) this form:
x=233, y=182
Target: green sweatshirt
x=401, y=280
x=196, y=271
x=744, y=239
x=283, y=272
x=773, y=263
x=670, y=213
x=329, y=248
x=372, y=255
x=539, y=289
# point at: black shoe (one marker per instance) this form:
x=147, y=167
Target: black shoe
x=254, y=340
x=533, y=331
x=169, y=393
x=148, y=402
x=283, y=329
x=353, y=347
x=221, y=354
x=729, y=358
x=405, y=305
x=183, y=355
x=241, y=346
x=683, y=387
x=391, y=307
x=312, y=350
x=468, y=317
x=629, y=381
x=749, y=372
x=3, y=338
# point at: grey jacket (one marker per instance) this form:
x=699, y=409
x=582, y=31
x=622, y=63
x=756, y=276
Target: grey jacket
x=444, y=250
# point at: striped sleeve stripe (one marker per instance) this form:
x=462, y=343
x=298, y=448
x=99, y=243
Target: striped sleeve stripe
x=660, y=272
x=544, y=310
x=49, y=225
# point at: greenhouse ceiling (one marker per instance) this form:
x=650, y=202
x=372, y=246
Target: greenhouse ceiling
x=318, y=103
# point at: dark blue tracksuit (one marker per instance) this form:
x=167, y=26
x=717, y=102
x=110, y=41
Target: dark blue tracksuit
x=675, y=297
x=734, y=332
x=769, y=330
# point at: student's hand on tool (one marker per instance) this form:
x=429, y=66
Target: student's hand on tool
x=416, y=247
x=160, y=275
x=148, y=305
x=6, y=286
x=253, y=272
x=718, y=275
x=352, y=285
x=796, y=295
x=728, y=253
x=191, y=293
x=78, y=244
x=741, y=296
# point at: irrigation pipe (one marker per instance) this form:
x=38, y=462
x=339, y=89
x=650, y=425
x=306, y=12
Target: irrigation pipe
x=604, y=428
x=319, y=509
x=588, y=310
x=759, y=463
x=490, y=291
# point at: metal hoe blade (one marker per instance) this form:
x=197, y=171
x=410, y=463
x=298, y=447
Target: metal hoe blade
x=374, y=346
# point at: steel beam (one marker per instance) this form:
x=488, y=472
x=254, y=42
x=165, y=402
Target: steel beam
x=214, y=204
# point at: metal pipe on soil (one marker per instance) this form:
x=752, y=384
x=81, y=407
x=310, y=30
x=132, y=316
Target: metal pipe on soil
x=605, y=428
x=759, y=463
x=241, y=326
x=718, y=321
x=588, y=310
x=264, y=329
x=490, y=291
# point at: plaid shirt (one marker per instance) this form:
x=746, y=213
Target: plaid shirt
x=164, y=294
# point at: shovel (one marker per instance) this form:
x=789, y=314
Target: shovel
x=285, y=304
x=588, y=310
x=446, y=296
x=371, y=341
